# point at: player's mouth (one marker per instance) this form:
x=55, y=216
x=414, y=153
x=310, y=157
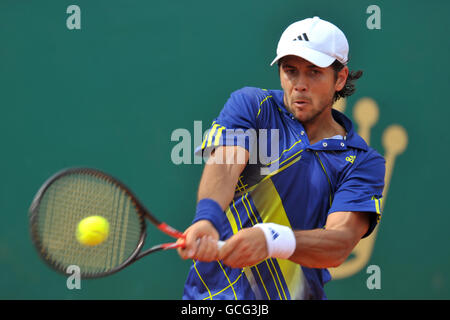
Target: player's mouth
x=301, y=103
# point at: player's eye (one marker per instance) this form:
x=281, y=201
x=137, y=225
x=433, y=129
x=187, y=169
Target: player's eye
x=290, y=70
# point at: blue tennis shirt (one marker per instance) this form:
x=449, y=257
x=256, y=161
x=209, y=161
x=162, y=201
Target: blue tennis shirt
x=301, y=186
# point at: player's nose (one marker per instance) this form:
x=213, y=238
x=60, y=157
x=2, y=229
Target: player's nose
x=300, y=83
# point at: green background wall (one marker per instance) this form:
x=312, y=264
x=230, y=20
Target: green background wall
x=110, y=95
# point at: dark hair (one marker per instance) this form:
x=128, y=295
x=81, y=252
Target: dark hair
x=349, y=87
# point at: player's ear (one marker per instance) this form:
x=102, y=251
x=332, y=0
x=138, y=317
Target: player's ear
x=341, y=79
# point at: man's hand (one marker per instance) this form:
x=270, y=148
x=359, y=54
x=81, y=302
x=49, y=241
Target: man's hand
x=200, y=242
x=246, y=248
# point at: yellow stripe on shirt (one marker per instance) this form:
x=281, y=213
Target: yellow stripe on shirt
x=270, y=207
x=265, y=99
x=198, y=273
x=218, y=135
x=211, y=134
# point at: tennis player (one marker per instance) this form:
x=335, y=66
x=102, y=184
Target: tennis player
x=285, y=228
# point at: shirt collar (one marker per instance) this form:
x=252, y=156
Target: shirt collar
x=353, y=139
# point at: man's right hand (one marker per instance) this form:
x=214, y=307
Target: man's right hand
x=200, y=242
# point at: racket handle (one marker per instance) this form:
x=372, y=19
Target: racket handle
x=220, y=244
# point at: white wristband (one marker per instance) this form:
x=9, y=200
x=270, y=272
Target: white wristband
x=280, y=240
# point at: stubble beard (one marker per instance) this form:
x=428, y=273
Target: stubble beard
x=315, y=113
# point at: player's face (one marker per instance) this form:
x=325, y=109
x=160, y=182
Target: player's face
x=308, y=89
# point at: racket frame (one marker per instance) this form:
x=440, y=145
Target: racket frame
x=142, y=212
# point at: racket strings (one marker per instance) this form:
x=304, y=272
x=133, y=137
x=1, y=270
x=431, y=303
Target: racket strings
x=74, y=197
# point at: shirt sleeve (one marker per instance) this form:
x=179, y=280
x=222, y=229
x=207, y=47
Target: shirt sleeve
x=361, y=189
x=236, y=124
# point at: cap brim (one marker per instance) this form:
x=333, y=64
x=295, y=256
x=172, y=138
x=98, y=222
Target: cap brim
x=315, y=57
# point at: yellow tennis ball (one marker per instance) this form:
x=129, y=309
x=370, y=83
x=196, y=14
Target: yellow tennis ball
x=92, y=230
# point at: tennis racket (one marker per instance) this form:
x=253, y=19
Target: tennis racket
x=76, y=193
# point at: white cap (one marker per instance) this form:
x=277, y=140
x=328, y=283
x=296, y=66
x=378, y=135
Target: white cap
x=313, y=39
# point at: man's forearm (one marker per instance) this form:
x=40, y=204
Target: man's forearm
x=321, y=248
x=217, y=183
x=221, y=175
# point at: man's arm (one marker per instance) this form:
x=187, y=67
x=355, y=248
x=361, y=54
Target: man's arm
x=330, y=247
x=317, y=248
x=218, y=182
x=221, y=174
